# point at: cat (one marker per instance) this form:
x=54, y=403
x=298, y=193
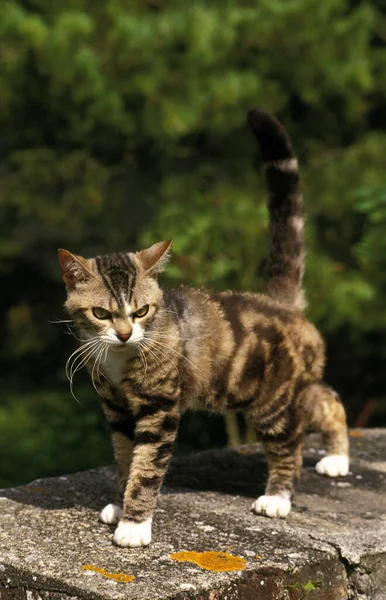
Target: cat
x=152, y=354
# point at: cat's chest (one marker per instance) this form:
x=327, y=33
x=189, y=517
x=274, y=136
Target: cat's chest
x=117, y=364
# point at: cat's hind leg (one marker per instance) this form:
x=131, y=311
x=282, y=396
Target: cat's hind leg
x=283, y=443
x=284, y=469
x=325, y=414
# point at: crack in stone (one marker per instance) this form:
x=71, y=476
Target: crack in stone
x=358, y=577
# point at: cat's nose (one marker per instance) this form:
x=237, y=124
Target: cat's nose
x=123, y=337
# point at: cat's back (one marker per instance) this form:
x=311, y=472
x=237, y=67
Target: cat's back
x=234, y=338
x=271, y=323
x=240, y=314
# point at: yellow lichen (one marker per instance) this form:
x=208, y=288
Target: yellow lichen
x=119, y=577
x=212, y=561
x=356, y=434
x=258, y=557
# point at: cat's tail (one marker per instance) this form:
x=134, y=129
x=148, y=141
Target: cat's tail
x=285, y=263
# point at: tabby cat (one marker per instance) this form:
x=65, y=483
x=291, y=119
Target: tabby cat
x=153, y=354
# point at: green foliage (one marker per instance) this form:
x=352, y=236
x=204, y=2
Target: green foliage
x=124, y=123
x=47, y=433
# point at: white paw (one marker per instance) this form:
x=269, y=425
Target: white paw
x=334, y=465
x=130, y=534
x=272, y=506
x=111, y=513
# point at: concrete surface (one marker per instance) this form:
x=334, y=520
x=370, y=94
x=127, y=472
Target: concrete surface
x=331, y=547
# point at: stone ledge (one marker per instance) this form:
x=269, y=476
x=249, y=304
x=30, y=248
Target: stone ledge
x=331, y=547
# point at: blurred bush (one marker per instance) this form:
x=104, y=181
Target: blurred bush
x=124, y=123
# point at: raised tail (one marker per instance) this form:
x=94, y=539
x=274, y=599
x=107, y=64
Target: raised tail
x=285, y=264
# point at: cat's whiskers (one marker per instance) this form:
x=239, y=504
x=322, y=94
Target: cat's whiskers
x=196, y=367
x=148, y=340
x=79, y=351
x=149, y=357
x=55, y=321
x=159, y=356
x=96, y=365
x=67, y=323
x=79, y=365
x=152, y=354
x=143, y=360
x=87, y=349
x=161, y=365
x=165, y=310
x=107, y=348
x=84, y=353
x=85, y=346
x=102, y=359
x=70, y=332
x=84, y=357
x=73, y=395
x=175, y=337
x=81, y=348
x=96, y=337
x=156, y=348
x=172, y=350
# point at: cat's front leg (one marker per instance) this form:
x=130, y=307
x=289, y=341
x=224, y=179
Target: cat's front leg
x=122, y=428
x=156, y=428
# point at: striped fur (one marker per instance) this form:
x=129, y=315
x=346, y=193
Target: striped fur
x=216, y=351
x=285, y=265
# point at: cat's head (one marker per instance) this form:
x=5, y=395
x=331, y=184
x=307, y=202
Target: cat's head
x=114, y=297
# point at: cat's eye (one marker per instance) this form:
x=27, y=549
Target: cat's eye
x=101, y=313
x=141, y=312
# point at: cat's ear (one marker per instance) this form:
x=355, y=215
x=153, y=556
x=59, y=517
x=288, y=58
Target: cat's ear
x=153, y=260
x=74, y=268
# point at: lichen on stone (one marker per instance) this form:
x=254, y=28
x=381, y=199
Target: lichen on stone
x=119, y=577
x=212, y=561
x=354, y=433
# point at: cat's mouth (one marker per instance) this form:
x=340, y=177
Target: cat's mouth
x=114, y=343
x=120, y=345
x=130, y=348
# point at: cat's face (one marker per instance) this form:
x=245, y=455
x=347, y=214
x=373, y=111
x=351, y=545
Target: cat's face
x=114, y=297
